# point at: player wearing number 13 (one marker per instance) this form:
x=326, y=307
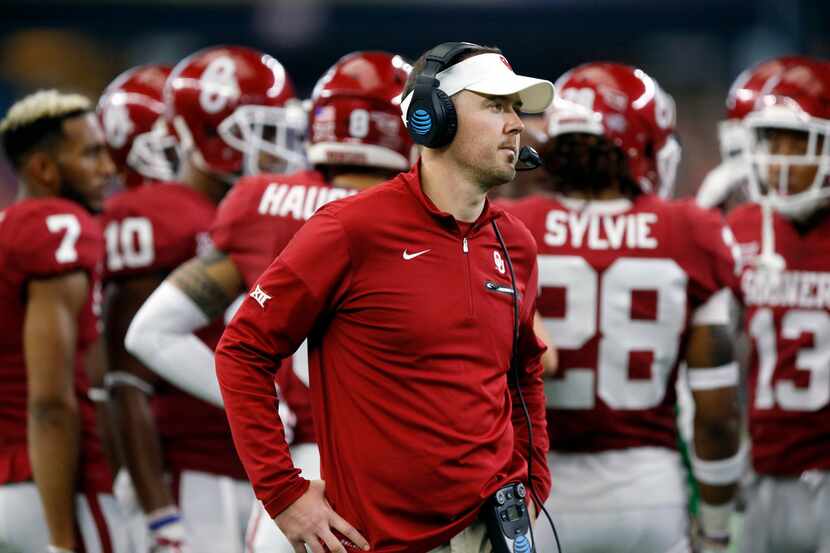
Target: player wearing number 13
x=631, y=284
x=55, y=485
x=228, y=107
x=785, y=288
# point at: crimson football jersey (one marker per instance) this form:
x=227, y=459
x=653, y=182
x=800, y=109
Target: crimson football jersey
x=787, y=317
x=255, y=222
x=619, y=285
x=153, y=230
x=44, y=238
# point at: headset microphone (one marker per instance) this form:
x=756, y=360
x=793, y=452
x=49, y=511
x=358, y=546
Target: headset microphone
x=529, y=159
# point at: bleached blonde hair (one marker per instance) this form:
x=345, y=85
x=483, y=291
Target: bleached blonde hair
x=43, y=104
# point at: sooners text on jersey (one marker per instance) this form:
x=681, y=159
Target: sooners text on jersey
x=787, y=317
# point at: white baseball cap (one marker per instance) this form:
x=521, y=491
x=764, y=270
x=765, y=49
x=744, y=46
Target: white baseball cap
x=492, y=74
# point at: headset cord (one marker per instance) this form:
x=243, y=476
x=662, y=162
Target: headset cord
x=514, y=364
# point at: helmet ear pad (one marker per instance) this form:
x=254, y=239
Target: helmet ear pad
x=446, y=119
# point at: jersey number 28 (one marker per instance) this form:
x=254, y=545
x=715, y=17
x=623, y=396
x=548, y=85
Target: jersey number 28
x=600, y=306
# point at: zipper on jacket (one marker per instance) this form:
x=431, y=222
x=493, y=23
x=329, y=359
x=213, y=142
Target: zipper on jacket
x=490, y=285
x=465, y=247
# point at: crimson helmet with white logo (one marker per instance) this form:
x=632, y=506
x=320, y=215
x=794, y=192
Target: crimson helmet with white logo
x=741, y=98
x=797, y=99
x=131, y=111
x=355, y=113
x=230, y=105
x=629, y=108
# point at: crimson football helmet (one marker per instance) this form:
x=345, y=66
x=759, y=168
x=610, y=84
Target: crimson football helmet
x=233, y=107
x=740, y=100
x=797, y=99
x=131, y=111
x=629, y=108
x=355, y=113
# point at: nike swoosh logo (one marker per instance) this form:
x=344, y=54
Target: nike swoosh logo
x=408, y=256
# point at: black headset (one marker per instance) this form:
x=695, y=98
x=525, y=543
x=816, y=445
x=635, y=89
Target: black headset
x=431, y=119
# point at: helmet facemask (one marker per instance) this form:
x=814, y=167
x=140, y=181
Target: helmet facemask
x=785, y=147
x=155, y=154
x=271, y=139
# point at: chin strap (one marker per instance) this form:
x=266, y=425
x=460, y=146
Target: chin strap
x=769, y=260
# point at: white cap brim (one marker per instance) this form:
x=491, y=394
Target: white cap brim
x=491, y=74
x=535, y=94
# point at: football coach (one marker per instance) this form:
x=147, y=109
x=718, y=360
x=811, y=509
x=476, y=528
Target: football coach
x=417, y=299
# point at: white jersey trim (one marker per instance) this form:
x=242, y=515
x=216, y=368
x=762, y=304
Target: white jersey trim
x=716, y=310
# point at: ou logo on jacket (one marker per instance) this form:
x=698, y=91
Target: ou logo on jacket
x=499, y=262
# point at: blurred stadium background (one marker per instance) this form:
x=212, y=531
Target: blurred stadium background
x=694, y=49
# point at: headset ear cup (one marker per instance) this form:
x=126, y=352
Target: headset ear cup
x=446, y=119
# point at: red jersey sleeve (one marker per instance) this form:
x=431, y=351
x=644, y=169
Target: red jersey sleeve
x=238, y=227
x=707, y=252
x=57, y=237
x=287, y=301
x=152, y=229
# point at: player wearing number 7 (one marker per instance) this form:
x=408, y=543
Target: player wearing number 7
x=785, y=289
x=228, y=106
x=631, y=285
x=55, y=485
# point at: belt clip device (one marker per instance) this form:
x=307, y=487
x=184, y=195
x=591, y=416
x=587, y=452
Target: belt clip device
x=508, y=520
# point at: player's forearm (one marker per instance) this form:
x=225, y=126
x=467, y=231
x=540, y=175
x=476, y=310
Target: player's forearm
x=53, y=435
x=716, y=449
x=550, y=359
x=139, y=442
x=96, y=365
x=162, y=336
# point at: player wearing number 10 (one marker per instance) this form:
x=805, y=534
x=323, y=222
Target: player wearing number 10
x=54, y=479
x=631, y=285
x=227, y=106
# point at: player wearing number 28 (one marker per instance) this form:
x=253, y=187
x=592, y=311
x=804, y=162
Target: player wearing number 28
x=220, y=103
x=55, y=485
x=631, y=285
x=784, y=287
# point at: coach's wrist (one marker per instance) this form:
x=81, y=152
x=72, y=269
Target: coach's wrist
x=289, y=494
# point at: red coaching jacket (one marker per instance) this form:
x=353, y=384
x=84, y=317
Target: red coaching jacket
x=409, y=321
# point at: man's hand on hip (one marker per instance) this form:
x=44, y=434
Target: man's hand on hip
x=310, y=520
